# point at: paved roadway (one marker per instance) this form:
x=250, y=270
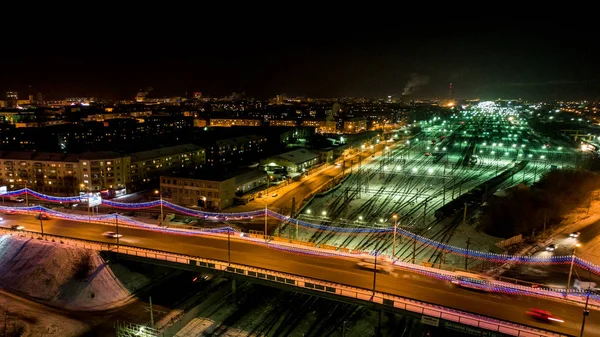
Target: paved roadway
x=342, y=271
x=558, y=275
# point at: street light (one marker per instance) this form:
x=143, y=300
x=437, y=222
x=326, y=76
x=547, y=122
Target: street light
x=395, y=217
x=160, y=223
x=572, y=263
x=266, y=218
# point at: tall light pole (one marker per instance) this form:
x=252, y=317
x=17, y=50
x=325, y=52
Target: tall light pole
x=266, y=223
x=586, y=312
x=375, y=274
x=159, y=192
x=572, y=263
x=228, y=246
x=395, y=216
x=42, y=224
x=117, y=229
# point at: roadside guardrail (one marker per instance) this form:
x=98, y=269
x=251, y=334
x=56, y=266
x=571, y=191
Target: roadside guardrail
x=426, y=309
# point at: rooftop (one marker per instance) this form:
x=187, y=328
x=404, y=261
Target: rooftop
x=298, y=156
x=163, y=152
x=240, y=175
x=41, y=156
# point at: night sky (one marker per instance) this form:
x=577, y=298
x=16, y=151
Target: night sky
x=532, y=62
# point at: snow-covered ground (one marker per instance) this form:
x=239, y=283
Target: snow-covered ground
x=72, y=278
x=25, y=318
x=40, y=279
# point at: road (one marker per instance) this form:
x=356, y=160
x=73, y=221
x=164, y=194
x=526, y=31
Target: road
x=343, y=271
x=557, y=275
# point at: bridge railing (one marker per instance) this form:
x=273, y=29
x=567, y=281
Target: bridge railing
x=402, y=303
x=423, y=308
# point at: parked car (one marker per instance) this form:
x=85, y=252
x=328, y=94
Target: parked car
x=42, y=216
x=17, y=227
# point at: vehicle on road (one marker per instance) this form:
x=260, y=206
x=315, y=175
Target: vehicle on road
x=17, y=227
x=42, y=216
x=551, y=247
x=274, y=195
x=19, y=199
x=112, y=235
x=583, y=285
x=473, y=281
x=575, y=234
x=543, y=315
x=383, y=266
x=10, y=212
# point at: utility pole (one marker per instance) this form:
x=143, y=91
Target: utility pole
x=572, y=263
x=162, y=217
x=117, y=225
x=228, y=246
x=375, y=274
x=424, y=213
x=395, y=216
x=414, y=250
x=42, y=224
x=467, y=255
x=586, y=312
x=151, y=314
x=544, y=232
x=266, y=218
x=453, y=185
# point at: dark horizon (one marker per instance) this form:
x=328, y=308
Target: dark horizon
x=485, y=63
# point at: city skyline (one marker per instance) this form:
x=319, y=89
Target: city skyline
x=489, y=63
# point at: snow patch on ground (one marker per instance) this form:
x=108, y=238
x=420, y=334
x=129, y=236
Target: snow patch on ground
x=24, y=318
x=69, y=277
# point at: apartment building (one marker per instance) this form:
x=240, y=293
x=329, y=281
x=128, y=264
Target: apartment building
x=68, y=174
x=229, y=122
x=211, y=190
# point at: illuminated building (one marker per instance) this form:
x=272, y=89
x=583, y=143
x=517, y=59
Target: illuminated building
x=355, y=125
x=229, y=122
x=210, y=190
x=65, y=173
x=282, y=122
x=12, y=99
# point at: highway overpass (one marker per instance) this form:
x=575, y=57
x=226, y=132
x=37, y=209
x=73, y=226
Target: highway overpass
x=332, y=270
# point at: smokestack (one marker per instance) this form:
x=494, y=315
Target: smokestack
x=450, y=89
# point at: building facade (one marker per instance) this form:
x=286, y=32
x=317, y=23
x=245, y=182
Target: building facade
x=235, y=151
x=229, y=122
x=207, y=193
x=321, y=126
x=69, y=174
x=296, y=162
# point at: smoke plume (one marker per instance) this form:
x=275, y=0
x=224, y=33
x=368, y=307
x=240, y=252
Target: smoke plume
x=415, y=81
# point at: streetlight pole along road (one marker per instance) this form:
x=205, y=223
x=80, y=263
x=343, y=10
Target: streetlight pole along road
x=336, y=270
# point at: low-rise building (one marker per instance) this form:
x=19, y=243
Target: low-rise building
x=283, y=122
x=296, y=161
x=355, y=125
x=229, y=122
x=210, y=190
x=321, y=125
